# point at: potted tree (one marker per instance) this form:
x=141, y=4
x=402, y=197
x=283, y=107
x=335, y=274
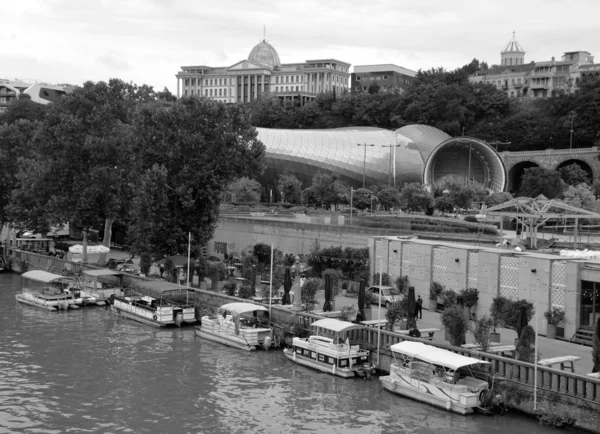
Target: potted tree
x=435, y=291
x=455, y=324
x=396, y=314
x=482, y=332
x=497, y=315
x=402, y=284
x=554, y=316
x=469, y=298
x=448, y=298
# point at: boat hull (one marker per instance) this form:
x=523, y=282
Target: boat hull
x=425, y=392
x=40, y=304
x=320, y=366
x=135, y=317
x=225, y=340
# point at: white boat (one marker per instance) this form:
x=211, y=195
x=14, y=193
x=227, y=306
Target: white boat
x=99, y=291
x=46, y=290
x=158, y=304
x=238, y=326
x=436, y=376
x=328, y=352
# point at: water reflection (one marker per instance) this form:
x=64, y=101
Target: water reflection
x=92, y=371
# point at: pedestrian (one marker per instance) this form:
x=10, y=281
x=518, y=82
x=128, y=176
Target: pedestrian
x=420, y=307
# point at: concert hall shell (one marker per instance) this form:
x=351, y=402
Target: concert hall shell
x=413, y=153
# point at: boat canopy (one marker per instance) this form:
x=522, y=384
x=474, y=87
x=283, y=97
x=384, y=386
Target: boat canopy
x=91, y=250
x=239, y=308
x=158, y=288
x=434, y=355
x=42, y=276
x=335, y=325
x=102, y=272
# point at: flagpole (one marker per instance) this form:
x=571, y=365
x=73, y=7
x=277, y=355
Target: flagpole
x=188, y=264
x=271, y=283
x=379, y=312
x=535, y=360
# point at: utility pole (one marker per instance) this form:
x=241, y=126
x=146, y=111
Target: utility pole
x=364, y=145
x=390, y=163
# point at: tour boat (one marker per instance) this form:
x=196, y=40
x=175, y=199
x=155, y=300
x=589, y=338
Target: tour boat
x=328, y=352
x=157, y=304
x=47, y=291
x=99, y=291
x=238, y=326
x=436, y=376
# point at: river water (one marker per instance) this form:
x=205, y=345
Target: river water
x=90, y=371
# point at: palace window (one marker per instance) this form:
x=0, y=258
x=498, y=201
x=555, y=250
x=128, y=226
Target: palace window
x=224, y=92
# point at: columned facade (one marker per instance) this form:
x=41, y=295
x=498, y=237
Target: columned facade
x=263, y=74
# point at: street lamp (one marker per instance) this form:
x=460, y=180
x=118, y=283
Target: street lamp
x=351, y=193
x=390, y=163
x=364, y=145
x=572, y=116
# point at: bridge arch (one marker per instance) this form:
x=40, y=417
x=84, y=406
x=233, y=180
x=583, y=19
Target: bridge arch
x=582, y=164
x=516, y=173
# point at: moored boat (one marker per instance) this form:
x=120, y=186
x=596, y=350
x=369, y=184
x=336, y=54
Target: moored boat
x=238, y=326
x=328, y=352
x=158, y=304
x=436, y=376
x=99, y=291
x=46, y=291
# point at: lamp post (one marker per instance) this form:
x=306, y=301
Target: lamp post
x=364, y=145
x=351, y=193
x=572, y=116
x=390, y=163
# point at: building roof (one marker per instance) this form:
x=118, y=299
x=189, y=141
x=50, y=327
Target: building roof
x=513, y=46
x=265, y=54
x=386, y=67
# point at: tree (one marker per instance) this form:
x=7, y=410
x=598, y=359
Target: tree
x=497, y=198
x=415, y=198
x=166, y=95
x=245, y=190
x=322, y=189
x=290, y=187
x=361, y=199
x=581, y=196
x=23, y=109
x=389, y=198
x=443, y=204
x=573, y=174
x=185, y=155
x=537, y=180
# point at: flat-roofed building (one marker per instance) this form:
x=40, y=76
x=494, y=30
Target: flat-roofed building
x=387, y=77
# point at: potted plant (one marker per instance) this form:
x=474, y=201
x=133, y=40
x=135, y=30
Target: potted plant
x=482, y=332
x=435, y=290
x=554, y=316
x=397, y=313
x=497, y=315
x=469, y=297
x=455, y=325
x=448, y=298
x=402, y=284
x=370, y=299
x=525, y=347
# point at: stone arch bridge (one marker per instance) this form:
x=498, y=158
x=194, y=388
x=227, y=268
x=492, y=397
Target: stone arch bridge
x=515, y=163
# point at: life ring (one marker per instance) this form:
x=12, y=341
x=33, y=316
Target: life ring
x=154, y=317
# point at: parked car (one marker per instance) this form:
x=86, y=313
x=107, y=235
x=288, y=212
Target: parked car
x=387, y=298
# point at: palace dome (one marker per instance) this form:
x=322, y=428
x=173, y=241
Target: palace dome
x=265, y=54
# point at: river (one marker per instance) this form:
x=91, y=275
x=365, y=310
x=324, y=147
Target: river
x=90, y=371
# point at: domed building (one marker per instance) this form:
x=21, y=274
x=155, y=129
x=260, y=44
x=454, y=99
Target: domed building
x=370, y=156
x=263, y=74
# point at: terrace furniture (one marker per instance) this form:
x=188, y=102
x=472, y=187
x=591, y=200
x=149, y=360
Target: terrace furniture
x=563, y=361
x=501, y=349
x=375, y=323
x=430, y=331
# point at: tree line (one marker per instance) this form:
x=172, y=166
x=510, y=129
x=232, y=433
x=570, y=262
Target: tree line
x=448, y=101
x=114, y=151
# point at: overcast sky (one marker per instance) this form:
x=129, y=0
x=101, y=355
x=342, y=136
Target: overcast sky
x=146, y=41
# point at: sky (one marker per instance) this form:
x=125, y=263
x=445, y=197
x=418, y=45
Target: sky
x=147, y=41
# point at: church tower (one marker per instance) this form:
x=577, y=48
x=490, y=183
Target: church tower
x=513, y=53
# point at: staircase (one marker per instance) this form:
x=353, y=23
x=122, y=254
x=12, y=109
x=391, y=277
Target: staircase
x=583, y=336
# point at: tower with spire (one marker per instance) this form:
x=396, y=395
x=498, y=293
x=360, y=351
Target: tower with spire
x=513, y=53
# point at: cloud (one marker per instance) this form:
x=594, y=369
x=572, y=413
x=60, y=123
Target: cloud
x=114, y=61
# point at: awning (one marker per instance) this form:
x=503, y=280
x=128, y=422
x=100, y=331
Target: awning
x=434, y=355
x=91, y=250
x=157, y=288
x=239, y=308
x=102, y=272
x=42, y=276
x=335, y=325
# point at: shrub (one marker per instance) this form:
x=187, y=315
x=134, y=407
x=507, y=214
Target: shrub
x=336, y=276
x=469, y=296
x=370, y=298
x=455, y=324
x=448, y=298
x=245, y=291
x=229, y=287
x=309, y=291
x=512, y=311
x=145, y=263
x=471, y=219
x=435, y=290
x=524, y=349
x=555, y=316
x=481, y=332
x=348, y=313
x=385, y=279
x=497, y=311
x=397, y=311
x=402, y=284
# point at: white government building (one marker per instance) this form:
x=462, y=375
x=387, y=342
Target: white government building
x=264, y=74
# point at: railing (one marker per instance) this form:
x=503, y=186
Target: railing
x=565, y=383
x=551, y=151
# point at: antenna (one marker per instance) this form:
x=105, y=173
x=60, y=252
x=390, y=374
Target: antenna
x=264, y=32
x=513, y=34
